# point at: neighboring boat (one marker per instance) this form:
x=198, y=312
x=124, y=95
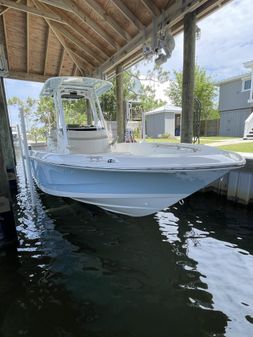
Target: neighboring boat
x=135, y=179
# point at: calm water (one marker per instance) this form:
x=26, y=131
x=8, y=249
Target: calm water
x=80, y=271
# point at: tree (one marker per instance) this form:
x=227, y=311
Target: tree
x=134, y=89
x=204, y=90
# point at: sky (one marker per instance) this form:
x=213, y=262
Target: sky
x=226, y=42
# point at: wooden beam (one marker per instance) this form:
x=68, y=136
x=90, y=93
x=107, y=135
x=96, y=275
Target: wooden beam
x=17, y=75
x=71, y=6
x=109, y=20
x=128, y=14
x=61, y=29
x=151, y=6
x=6, y=9
x=67, y=49
x=60, y=38
x=57, y=3
x=75, y=51
x=32, y=10
x=171, y=16
x=100, y=54
x=46, y=51
x=80, y=55
x=188, y=77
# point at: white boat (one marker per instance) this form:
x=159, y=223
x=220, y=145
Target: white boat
x=135, y=179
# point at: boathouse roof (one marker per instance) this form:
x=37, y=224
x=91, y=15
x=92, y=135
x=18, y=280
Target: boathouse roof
x=45, y=38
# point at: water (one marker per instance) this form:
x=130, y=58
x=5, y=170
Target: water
x=80, y=271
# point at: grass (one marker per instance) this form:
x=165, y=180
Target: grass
x=162, y=140
x=247, y=147
x=241, y=147
x=208, y=140
x=203, y=140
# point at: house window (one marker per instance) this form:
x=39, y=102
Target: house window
x=246, y=85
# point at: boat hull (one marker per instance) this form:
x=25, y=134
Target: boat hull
x=125, y=192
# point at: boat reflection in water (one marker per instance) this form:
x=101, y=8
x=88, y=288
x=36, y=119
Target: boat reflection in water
x=135, y=179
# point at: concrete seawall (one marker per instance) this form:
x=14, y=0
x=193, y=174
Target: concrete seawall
x=237, y=185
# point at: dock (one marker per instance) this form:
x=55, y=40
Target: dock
x=237, y=185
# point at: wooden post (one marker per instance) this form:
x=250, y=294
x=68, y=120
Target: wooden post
x=188, y=77
x=6, y=137
x=120, y=105
x=8, y=234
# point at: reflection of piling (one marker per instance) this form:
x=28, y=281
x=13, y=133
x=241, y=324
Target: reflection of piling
x=8, y=235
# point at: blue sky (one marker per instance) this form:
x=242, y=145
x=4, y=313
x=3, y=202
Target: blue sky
x=226, y=43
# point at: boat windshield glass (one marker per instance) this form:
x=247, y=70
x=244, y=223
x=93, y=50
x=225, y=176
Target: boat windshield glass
x=78, y=113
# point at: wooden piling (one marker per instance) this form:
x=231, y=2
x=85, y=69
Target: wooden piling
x=6, y=137
x=120, y=105
x=8, y=235
x=188, y=77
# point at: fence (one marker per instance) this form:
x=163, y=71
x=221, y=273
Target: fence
x=210, y=127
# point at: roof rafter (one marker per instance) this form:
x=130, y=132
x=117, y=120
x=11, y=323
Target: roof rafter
x=60, y=38
x=19, y=75
x=57, y=30
x=109, y=20
x=32, y=10
x=151, y=6
x=7, y=8
x=78, y=43
x=100, y=54
x=128, y=14
x=172, y=15
x=71, y=6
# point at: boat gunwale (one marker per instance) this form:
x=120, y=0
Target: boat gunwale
x=147, y=170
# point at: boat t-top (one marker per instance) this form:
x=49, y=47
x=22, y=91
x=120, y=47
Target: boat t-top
x=82, y=162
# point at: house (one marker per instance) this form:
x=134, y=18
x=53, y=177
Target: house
x=236, y=104
x=163, y=121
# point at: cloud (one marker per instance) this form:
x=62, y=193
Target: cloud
x=226, y=42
